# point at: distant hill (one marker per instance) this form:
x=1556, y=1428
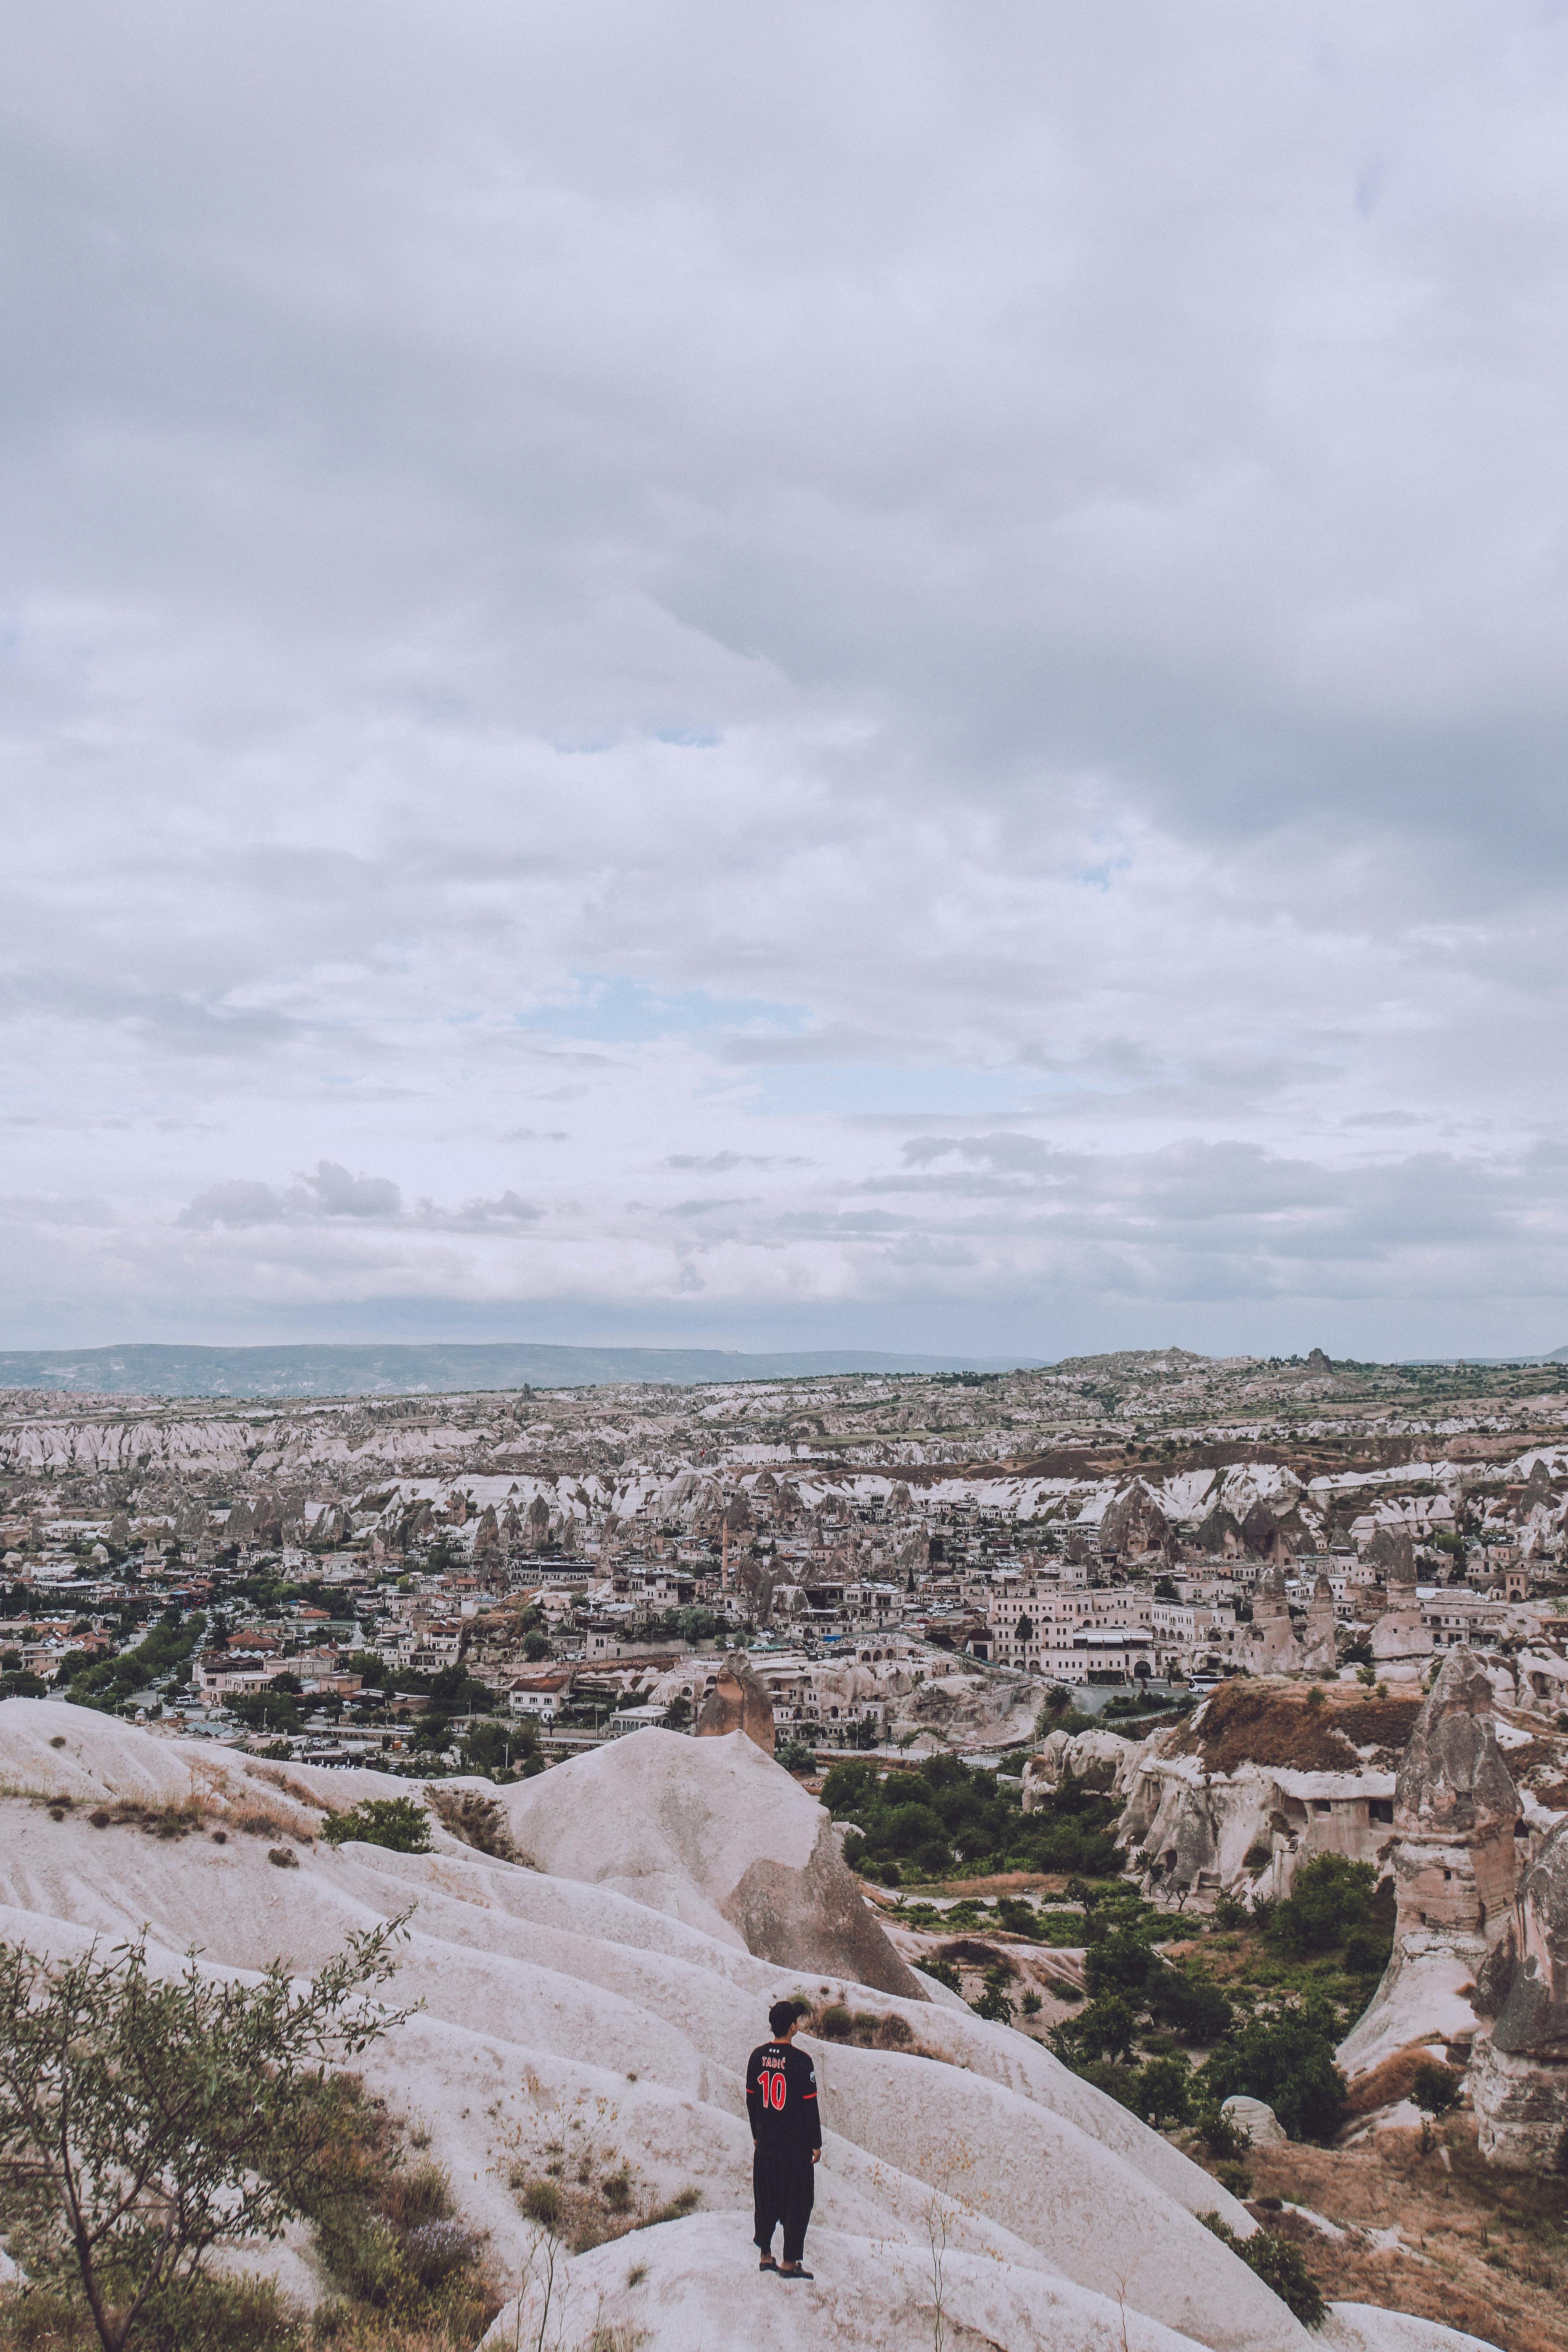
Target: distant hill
x=430, y=1370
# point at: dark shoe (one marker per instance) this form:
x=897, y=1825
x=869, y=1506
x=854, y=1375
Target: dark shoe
x=793, y=2270
x=768, y=2264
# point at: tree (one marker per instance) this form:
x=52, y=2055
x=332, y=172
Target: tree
x=268, y=1710
x=1164, y=2092
x=1288, y=2061
x=1121, y=1962
x=1435, y=2089
x=1329, y=1898
x=1107, y=2028
x=145, y=2121
x=398, y=1824
x=993, y=2003
x=1280, y=2266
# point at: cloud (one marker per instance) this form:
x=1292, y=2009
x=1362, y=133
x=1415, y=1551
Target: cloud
x=508, y=1212
x=336, y=1193
x=952, y=618
x=332, y=1192
x=719, y=1164
x=234, y=1203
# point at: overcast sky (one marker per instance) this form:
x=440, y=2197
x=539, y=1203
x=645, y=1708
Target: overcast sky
x=826, y=675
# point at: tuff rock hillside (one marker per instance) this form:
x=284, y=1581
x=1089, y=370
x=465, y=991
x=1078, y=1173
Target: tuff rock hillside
x=610, y=1975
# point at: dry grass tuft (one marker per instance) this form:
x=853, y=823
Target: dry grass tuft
x=1391, y=2082
x=1269, y=1723
x=1479, y=2250
x=479, y=1822
x=153, y=1821
x=290, y=1787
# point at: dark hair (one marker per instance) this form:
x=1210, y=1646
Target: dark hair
x=783, y=2015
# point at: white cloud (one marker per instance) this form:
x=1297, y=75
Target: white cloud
x=961, y=619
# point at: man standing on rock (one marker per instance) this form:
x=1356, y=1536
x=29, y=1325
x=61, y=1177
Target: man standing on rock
x=786, y=2131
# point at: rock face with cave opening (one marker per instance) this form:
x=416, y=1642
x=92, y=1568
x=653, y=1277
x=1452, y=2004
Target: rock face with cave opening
x=1454, y=1810
x=1521, y=2087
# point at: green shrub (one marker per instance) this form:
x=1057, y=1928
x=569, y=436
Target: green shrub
x=993, y=2003
x=1191, y=2004
x=1163, y=2091
x=398, y=1824
x=1221, y=2135
x=945, y=1973
x=1329, y=1899
x=122, y=2094
x=1434, y=2088
x=541, y=2203
x=949, y=1808
x=1280, y=2266
x=1118, y=2082
x=1289, y=2062
x=1121, y=1962
x=1108, y=2027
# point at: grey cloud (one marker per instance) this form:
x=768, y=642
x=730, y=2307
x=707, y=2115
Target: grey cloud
x=508, y=1211
x=1008, y=1153
x=331, y=1192
x=719, y=1164
x=524, y=496
x=234, y=1203
x=336, y=1193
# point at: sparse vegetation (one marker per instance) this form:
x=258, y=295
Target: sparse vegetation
x=145, y=2122
x=479, y=1822
x=400, y=1823
x=1281, y=2267
x=926, y=1822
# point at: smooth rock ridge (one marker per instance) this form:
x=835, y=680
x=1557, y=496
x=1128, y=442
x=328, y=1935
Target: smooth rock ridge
x=716, y=1833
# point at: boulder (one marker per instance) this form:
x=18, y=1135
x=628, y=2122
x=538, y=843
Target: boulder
x=1257, y=2118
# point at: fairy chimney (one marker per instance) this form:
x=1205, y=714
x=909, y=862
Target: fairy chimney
x=1520, y=2081
x=738, y=1701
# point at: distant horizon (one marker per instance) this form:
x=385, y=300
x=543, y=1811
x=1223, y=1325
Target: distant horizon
x=260, y=1373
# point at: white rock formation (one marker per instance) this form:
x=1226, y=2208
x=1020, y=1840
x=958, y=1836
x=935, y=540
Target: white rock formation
x=1097, y=1759
x=1520, y=2088
x=1455, y=1807
x=1248, y=1830
x=548, y=1996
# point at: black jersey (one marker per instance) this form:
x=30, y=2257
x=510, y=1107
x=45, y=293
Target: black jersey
x=781, y=2098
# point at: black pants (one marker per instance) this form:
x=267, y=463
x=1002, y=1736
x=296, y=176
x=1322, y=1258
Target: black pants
x=783, y=2187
